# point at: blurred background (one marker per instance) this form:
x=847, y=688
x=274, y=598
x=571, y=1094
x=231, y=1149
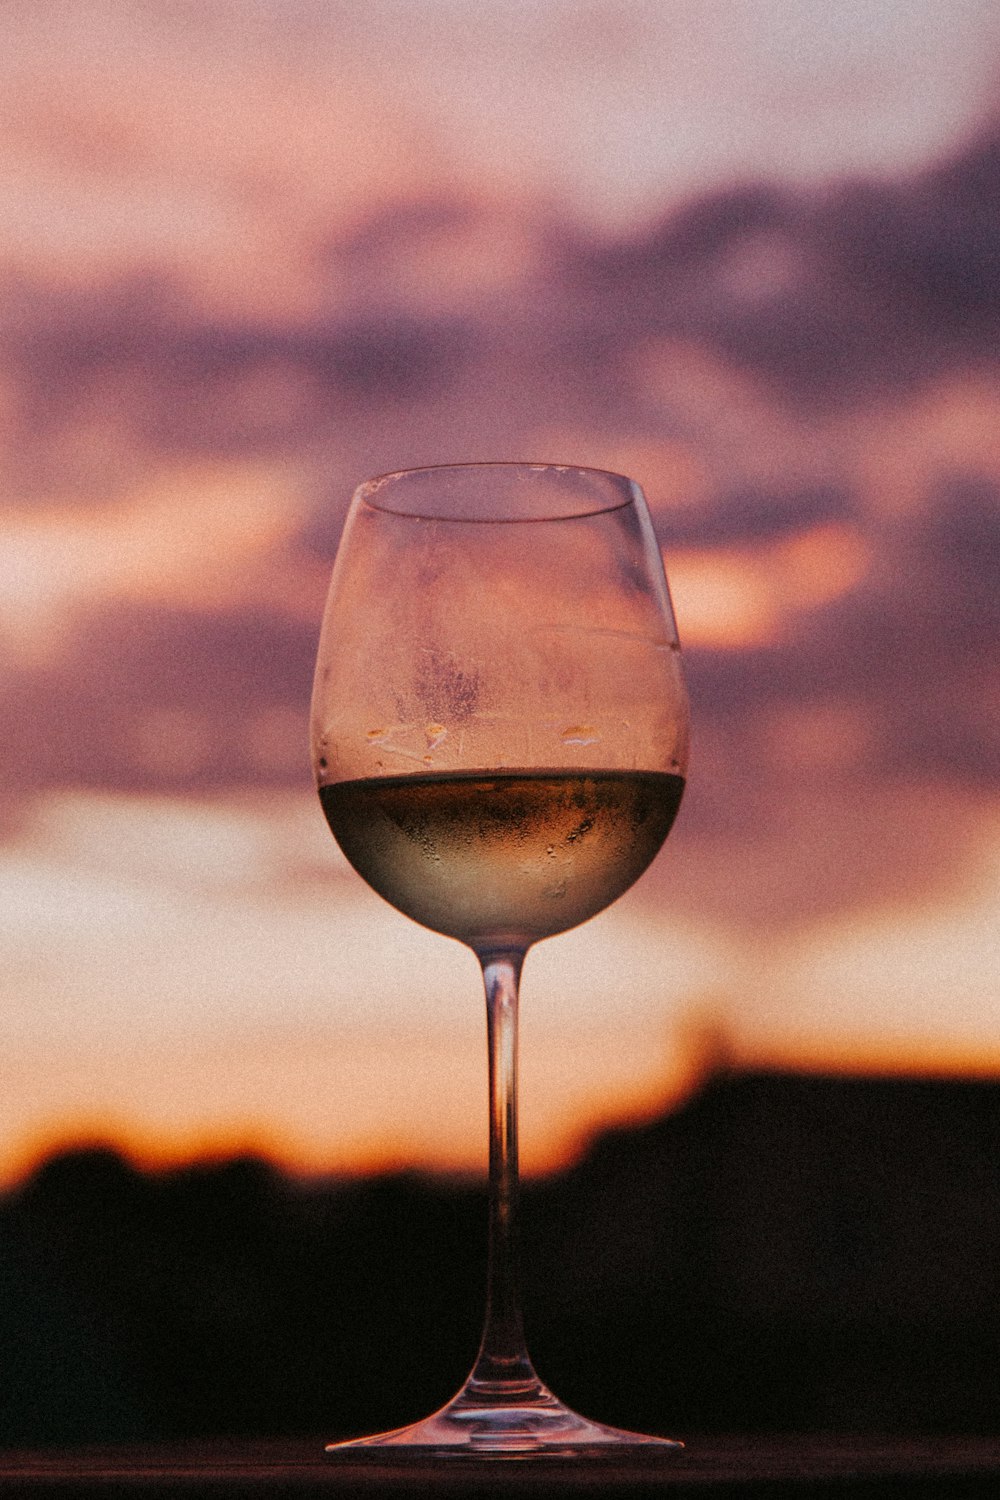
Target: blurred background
x=251, y=253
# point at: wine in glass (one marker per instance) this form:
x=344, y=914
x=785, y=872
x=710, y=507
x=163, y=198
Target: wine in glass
x=500, y=736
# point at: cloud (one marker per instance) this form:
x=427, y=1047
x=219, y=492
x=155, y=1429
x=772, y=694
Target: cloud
x=932, y=244
x=755, y=515
x=829, y=293
x=155, y=699
x=106, y=378
x=912, y=643
x=832, y=635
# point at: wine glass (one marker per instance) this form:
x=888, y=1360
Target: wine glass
x=500, y=735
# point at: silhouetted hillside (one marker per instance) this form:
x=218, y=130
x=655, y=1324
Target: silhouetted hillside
x=785, y=1252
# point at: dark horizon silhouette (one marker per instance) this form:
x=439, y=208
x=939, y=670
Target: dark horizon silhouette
x=785, y=1252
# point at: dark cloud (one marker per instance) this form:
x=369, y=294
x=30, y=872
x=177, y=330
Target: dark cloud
x=834, y=296
x=135, y=362
x=959, y=538
x=394, y=231
x=932, y=245
x=829, y=293
x=151, y=699
x=684, y=244
x=754, y=515
x=914, y=647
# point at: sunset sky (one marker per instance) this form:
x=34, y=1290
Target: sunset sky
x=255, y=251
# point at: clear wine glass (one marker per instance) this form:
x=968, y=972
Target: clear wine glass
x=500, y=738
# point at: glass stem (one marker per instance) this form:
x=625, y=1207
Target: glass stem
x=502, y=1369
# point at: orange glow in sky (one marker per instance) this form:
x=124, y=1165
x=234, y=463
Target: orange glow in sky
x=732, y=599
x=192, y=539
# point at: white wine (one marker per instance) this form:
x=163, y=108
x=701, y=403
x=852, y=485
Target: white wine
x=499, y=861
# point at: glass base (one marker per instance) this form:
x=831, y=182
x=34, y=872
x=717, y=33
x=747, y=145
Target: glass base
x=478, y=1423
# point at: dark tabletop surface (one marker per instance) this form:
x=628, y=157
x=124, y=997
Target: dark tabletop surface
x=941, y=1468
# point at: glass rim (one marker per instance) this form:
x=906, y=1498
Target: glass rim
x=620, y=491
